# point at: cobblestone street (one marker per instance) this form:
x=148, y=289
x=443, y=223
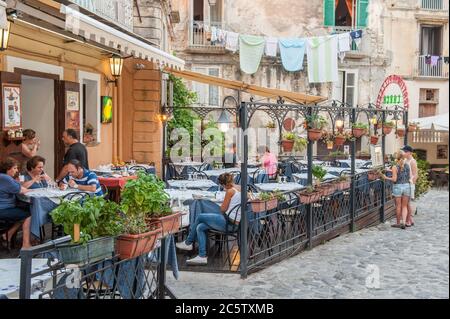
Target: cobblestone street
x=412, y=263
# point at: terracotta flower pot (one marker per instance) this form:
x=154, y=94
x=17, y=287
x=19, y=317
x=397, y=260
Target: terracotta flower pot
x=287, y=145
x=374, y=140
x=387, y=130
x=400, y=132
x=339, y=140
x=326, y=189
x=358, y=132
x=308, y=198
x=169, y=224
x=330, y=145
x=259, y=206
x=131, y=246
x=343, y=185
x=314, y=134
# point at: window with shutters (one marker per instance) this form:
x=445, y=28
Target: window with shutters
x=427, y=109
x=207, y=94
x=346, y=13
x=346, y=88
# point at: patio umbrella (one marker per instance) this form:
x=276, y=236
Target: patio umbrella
x=437, y=123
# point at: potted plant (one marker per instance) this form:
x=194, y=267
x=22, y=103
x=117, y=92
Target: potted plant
x=309, y=195
x=374, y=139
x=343, y=182
x=288, y=141
x=315, y=125
x=300, y=144
x=264, y=202
x=359, y=129
x=142, y=199
x=387, y=127
x=340, y=138
x=92, y=225
x=336, y=155
x=271, y=126
x=319, y=173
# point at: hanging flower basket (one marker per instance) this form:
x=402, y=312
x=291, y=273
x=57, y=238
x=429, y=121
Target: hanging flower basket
x=358, y=132
x=387, y=130
x=259, y=206
x=308, y=198
x=314, y=134
x=287, y=145
x=169, y=224
x=374, y=140
x=131, y=246
x=400, y=132
x=339, y=140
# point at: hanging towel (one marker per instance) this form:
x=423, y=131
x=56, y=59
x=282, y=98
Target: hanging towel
x=428, y=59
x=292, y=52
x=271, y=46
x=322, y=59
x=344, y=42
x=251, y=49
x=213, y=35
x=231, y=43
x=434, y=60
x=356, y=36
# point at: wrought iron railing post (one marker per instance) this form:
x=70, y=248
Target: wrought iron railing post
x=26, y=257
x=309, y=210
x=162, y=269
x=352, y=167
x=405, y=120
x=383, y=182
x=244, y=178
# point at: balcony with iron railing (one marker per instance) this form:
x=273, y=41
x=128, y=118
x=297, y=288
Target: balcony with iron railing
x=434, y=5
x=356, y=51
x=426, y=68
x=202, y=39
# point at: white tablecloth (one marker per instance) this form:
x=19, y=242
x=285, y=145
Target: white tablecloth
x=218, y=172
x=358, y=162
x=283, y=187
x=54, y=194
x=338, y=170
x=300, y=176
x=203, y=184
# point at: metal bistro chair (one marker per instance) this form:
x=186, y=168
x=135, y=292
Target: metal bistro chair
x=259, y=176
x=106, y=194
x=230, y=234
x=204, y=167
x=138, y=168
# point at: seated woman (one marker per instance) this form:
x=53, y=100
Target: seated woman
x=205, y=221
x=9, y=211
x=35, y=177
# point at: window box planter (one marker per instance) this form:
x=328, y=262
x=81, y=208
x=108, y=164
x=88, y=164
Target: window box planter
x=169, y=224
x=358, y=132
x=343, y=185
x=287, y=145
x=131, y=246
x=93, y=251
x=400, y=132
x=339, y=140
x=326, y=189
x=314, y=134
x=259, y=206
x=374, y=140
x=309, y=197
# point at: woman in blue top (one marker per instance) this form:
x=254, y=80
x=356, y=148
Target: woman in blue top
x=401, y=174
x=9, y=188
x=35, y=176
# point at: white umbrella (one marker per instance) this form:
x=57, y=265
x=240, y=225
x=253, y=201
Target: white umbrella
x=437, y=123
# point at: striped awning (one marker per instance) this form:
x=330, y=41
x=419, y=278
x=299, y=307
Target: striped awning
x=89, y=28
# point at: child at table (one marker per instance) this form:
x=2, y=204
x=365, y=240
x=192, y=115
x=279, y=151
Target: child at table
x=205, y=221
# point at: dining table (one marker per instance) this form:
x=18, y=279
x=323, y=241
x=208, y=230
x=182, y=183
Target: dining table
x=282, y=187
x=42, y=201
x=302, y=178
x=202, y=184
x=115, y=184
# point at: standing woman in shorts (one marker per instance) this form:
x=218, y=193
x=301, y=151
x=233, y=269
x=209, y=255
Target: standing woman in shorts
x=401, y=175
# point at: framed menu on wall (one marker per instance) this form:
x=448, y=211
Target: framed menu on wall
x=12, y=107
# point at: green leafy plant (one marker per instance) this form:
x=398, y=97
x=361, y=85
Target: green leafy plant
x=309, y=189
x=300, y=144
x=278, y=195
x=270, y=125
x=360, y=125
x=289, y=136
x=319, y=172
x=143, y=198
x=316, y=121
x=423, y=184
x=389, y=124
x=336, y=155
x=96, y=216
x=265, y=196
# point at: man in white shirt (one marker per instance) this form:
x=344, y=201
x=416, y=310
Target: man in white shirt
x=414, y=175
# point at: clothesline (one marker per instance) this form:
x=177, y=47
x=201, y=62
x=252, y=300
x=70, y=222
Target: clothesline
x=322, y=51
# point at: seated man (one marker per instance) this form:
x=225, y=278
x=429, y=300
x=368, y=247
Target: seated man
x=81, y=178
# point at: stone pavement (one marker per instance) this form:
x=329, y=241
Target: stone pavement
x=380, y=262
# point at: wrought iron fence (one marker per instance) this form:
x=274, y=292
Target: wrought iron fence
x=109, y=278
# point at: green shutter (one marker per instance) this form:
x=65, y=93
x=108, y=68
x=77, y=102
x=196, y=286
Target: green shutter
x=328, y=13
x=362, y=9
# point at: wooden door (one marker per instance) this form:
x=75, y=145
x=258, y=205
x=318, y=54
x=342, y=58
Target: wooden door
x=67, y=115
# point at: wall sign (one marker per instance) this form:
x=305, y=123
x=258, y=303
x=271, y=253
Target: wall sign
x=12, y=107
x=107, y=108
x=393, y=91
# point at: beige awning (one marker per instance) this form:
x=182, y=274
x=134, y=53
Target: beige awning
x=249, y=88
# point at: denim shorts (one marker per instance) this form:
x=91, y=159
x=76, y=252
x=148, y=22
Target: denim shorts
x=400, y=190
